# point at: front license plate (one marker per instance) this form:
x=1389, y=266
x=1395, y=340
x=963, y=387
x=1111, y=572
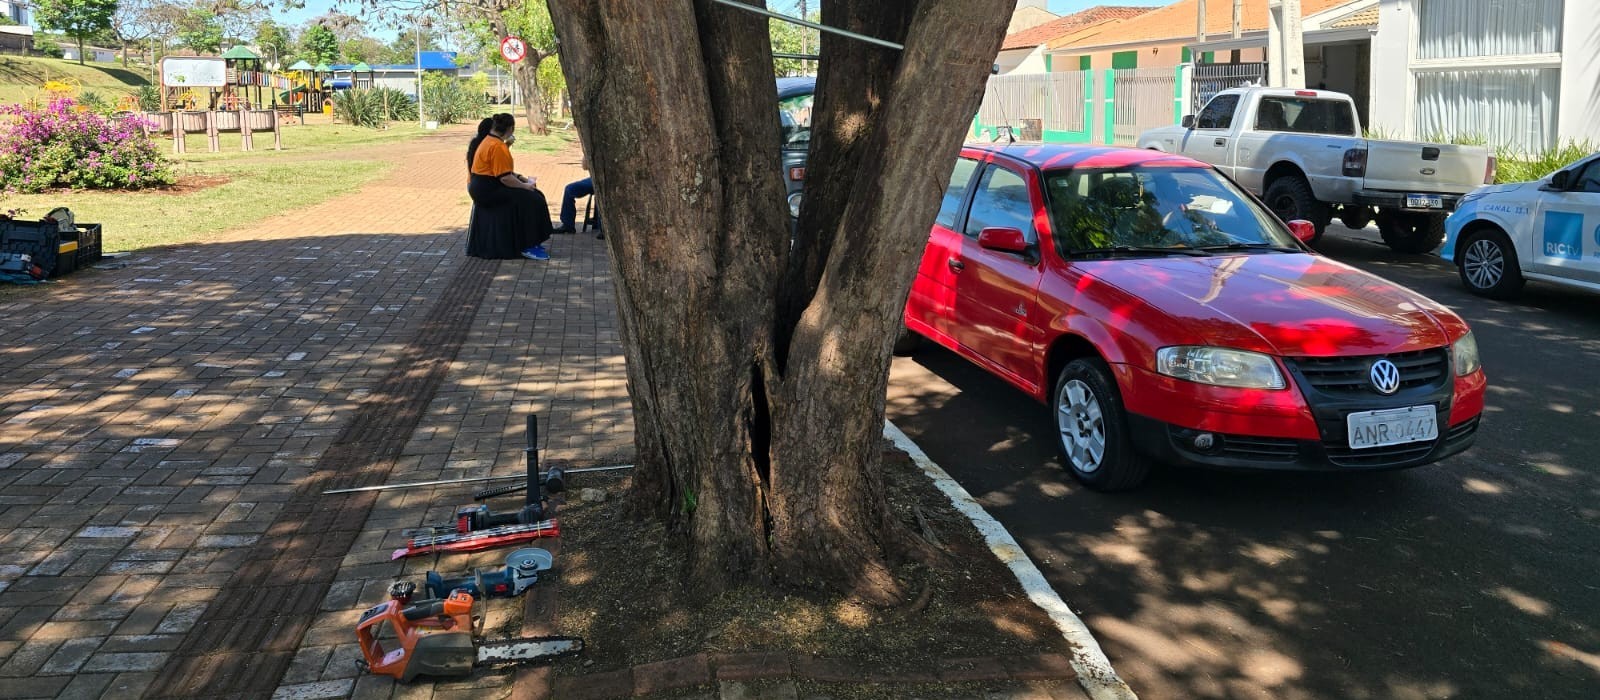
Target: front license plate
x=1395, y=426
x=1424, y=201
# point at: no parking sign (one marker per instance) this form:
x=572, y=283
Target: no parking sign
x=513, y=49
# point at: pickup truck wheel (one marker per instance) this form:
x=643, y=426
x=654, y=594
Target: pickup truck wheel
x=1355, y=216
x=1290, y=197
x=1488, y=265
x=906, y=342
x=1409, y=232
x=1091, y=429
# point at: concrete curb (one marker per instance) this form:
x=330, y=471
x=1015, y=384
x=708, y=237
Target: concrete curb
x=1094, y=670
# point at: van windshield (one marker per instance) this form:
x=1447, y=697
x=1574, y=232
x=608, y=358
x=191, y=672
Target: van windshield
x=794, y=116
x=1156, y=208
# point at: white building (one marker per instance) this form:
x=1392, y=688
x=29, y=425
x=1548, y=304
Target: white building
x=15, y=11
x=92, y=54
x=1523, y=74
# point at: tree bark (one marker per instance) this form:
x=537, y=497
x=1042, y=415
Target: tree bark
x=526, y=73
x=758, y=374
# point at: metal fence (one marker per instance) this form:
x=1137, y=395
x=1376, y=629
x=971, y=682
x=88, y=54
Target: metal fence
x=1050, y=101
x=1144, y=99
x=1208, y=79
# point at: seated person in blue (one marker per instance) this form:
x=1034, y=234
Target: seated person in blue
x=569, y=202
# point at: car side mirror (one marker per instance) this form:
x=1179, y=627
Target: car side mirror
x=1558, y=182
x=1304, y=231
x=1188, y=121
x=1005, y=240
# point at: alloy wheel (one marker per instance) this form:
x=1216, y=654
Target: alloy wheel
x=1484, y=263
x=1082, y=425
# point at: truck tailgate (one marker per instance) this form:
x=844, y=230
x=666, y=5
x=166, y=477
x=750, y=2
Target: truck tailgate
x=1411, y=166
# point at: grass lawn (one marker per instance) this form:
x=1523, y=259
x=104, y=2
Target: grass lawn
x=135, y=220
x=298, y=140
x=21, y=77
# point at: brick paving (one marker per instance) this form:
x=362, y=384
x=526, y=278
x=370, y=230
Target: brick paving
x=155, y=421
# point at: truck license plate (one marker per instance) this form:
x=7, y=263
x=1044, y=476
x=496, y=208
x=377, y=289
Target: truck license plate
x=1424, y=201
x=1395, y=426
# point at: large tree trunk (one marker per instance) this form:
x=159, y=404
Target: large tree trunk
x=526, y=73
x=758, y=375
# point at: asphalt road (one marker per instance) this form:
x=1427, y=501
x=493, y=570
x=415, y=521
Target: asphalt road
x=1476, y=577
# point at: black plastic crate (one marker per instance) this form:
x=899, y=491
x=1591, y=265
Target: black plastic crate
x=40, y=240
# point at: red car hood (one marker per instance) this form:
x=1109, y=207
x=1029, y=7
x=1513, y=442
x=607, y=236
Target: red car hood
x=1286, y=304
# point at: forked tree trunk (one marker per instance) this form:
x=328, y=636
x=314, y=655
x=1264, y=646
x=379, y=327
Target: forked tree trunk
x=758, y=374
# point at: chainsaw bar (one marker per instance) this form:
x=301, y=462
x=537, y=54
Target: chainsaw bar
x=529, y=650
x=491, y=538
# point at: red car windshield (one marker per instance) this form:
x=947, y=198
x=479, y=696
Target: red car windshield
x=1156, y=208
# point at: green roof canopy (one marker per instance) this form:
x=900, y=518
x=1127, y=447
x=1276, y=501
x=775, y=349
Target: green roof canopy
x=322, y=68
x=361, y=67
x=240, y=52
x=300, y=65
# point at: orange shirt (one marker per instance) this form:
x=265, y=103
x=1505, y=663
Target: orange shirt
x=493, y=158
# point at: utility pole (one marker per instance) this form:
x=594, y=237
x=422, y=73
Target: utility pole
x=1238, y=12
x=416, y=30
x=804, y=43
x=1286, y=61
x=1200, y=22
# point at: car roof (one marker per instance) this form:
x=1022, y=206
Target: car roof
x=1052, y=156
x=789, y=87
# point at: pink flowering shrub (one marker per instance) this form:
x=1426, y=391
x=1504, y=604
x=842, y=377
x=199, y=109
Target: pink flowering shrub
x=61, y=146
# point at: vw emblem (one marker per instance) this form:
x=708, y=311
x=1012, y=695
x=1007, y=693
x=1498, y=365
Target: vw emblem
x=1385, y=377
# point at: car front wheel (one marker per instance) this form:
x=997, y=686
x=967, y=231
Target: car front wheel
x=1488, y=265
x=1092, y=430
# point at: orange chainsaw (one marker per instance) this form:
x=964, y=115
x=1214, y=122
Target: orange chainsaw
x=403, y=639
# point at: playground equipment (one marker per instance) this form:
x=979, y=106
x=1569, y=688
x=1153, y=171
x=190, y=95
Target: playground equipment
x=228, y=107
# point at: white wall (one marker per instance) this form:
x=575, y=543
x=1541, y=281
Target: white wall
x=1394, y=89
x=16, y=12
x=1021, y=61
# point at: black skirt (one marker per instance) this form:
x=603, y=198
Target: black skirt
x=505, y=220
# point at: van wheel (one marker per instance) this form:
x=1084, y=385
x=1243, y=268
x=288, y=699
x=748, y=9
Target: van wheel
x=1488, y=265
x=1092, y=430
x=1290, y=197
x=1411, y=232
x=907, y=342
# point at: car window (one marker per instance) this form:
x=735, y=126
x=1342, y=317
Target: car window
x=1589, y=179
x=1001, y=201
x=956, y=193
x=1304, y=116
x=794, y=116
x=1155, y=207
x=1218, y=113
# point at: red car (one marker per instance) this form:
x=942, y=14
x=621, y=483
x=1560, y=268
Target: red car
x=1162, y=313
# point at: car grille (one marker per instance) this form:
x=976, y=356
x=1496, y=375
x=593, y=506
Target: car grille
x=1464, y=431
x=1351, y=375
x=1392, y=456
x=1259, y=449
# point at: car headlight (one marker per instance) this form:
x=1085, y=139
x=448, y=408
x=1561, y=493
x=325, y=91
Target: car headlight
x=1220, y=367
x=794, y=205
x=1464, y=355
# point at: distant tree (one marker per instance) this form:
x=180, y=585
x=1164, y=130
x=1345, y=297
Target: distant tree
x=404, y=47
x=274, y=39
x=76, y=18
x=318, y=44
x=236, y=18
x=200, y=31
x=137, y=21
x=363, y=49
x=791, y=38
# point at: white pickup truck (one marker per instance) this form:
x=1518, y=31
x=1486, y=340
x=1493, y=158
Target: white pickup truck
x=1303, y=153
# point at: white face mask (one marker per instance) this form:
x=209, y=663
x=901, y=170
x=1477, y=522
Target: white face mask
x=510, y=139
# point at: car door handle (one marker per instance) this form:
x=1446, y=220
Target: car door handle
x=1221, y=142
x=956, y=265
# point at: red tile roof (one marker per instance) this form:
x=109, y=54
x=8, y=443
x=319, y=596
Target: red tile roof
x=1177, y=22
x=1055, y=29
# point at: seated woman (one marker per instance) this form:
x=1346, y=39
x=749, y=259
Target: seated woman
x=510, y=217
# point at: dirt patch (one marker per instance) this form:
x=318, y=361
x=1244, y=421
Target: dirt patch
x=193, y=183
x=622, y=590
